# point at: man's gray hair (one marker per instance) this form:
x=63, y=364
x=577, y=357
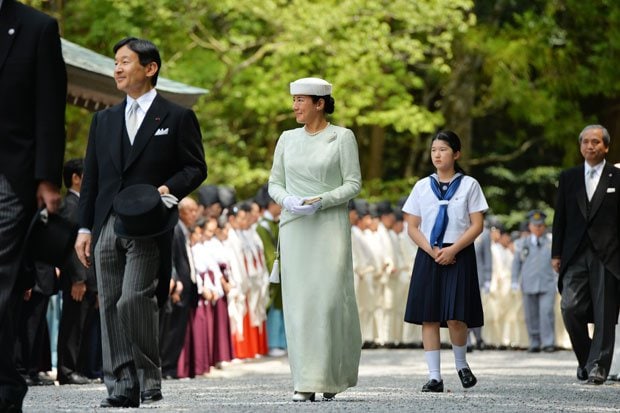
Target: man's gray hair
x=606, y=137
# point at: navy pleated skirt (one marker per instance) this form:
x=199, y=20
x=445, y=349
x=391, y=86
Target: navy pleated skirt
x=439, y=293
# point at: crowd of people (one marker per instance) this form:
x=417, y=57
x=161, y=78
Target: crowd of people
x=222, y=307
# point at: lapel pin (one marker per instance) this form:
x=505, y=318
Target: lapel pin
x=11, y=31
x=157, y=118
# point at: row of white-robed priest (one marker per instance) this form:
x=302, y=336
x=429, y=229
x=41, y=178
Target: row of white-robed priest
x=91, y=81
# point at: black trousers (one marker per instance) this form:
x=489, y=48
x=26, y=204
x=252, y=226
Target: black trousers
x=13, y=226
x=32, y=352
x=71, y=333
x=590, y=294
x=173, y=320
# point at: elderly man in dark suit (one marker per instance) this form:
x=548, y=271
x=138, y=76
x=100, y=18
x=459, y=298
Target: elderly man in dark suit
x=33, y=88
x=586, y=253
x=175, y=320
x=143, y=140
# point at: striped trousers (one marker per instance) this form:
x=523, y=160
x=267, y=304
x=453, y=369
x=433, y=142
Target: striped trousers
x=126, y=272
x=13, y=226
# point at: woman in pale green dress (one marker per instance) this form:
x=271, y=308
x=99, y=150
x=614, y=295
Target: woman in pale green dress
x=315, y=173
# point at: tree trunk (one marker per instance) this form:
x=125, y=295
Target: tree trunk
x=459, y=100
x=375, y=158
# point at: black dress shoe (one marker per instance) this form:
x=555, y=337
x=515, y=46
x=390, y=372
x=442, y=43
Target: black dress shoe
x=74, y=378
x=151, y=396
x=433, y=386
x=597, y=375
x=481, y=345
x=119, y=401
x=533, y=350
x=467, y=378
x=10, y=406
x=582, y=373
x=548, y=349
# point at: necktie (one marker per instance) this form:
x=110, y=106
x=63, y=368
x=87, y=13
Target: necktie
x=590, y=183
x=441, y=222
x=132, y=121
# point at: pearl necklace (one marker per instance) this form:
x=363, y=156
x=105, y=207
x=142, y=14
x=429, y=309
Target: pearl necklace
x=317, y=132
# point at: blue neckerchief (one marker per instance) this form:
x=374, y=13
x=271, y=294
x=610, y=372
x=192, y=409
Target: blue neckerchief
x=441, y=222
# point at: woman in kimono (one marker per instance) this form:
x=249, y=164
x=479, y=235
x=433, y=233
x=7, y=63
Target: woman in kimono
x=315, y=173
x=444, y=217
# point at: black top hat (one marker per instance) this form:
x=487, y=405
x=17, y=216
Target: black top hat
x=49, y=239
x=142, y=213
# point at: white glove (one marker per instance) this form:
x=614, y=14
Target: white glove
x=291, y=202
x=487, y=287
x=306, y=209
x=515, y=286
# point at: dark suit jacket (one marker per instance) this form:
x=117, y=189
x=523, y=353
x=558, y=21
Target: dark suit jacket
x=180, y=260
x=175, y=159
x=33, y=89
x=601, y=223
x=73, y=271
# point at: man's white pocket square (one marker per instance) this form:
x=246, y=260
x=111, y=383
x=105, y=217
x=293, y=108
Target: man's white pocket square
x=610, y=190
x=161, y=131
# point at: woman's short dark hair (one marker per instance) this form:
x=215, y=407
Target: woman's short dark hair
x=451, y=138
x=453, y=141
x=147, y=53
x=330, y=103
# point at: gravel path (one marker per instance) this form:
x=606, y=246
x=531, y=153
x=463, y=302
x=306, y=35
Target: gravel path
x=389, y=381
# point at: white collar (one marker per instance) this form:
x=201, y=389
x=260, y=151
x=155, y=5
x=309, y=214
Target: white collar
x=268, y=216
x=73, y=191
x=436, y=177
x=144, y=101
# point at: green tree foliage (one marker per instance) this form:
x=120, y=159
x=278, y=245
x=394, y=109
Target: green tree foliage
x=546, y=69
x=517, y=79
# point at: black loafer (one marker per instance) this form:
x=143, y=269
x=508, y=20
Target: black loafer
x=119, y=401
x=433, y=386
x=597, y=375
x=467, y=378
x=151, y=396
x=582, y=373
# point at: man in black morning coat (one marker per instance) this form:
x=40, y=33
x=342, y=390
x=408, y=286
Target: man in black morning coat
x=145, y=140
x=586, y=253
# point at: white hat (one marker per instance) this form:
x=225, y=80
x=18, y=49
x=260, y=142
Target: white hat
x=311, y=86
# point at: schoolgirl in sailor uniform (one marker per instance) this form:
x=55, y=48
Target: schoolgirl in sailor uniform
x=444, y=213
